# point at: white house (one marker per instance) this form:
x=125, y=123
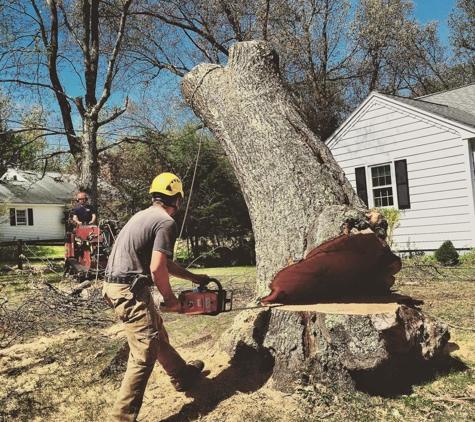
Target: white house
x=36, y=204
x=416, y=155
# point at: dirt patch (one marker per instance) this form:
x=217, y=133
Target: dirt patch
x=224, y=393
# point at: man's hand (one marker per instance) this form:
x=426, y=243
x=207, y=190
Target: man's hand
x=173, y=304
x=180, y=272
x=202, y=279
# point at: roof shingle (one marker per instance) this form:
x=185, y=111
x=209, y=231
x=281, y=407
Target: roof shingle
x=28, y=187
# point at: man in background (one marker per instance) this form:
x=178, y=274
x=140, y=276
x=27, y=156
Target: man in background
x=84, y=213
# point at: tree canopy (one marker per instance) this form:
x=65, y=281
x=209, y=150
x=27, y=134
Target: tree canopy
x=462, y=35
x=18, y=148
x=102, y=73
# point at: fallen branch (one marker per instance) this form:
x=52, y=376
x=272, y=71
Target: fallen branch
x=45, y=309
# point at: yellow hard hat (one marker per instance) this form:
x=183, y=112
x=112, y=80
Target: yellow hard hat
x=168, y=184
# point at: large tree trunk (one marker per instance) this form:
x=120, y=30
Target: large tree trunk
x=298, y=197
x=301, y=206
x=87, y=160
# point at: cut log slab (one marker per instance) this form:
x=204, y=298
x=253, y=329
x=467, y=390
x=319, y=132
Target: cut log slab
x=378, y=347
x=343, y=267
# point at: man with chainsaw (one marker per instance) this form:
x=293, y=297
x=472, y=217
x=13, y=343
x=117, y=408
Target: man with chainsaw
x=142, y=257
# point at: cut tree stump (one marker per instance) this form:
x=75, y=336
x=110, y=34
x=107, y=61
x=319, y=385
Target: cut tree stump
x=379, y=348
x=315, y=239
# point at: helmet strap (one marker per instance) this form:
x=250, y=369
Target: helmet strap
x=175, y=208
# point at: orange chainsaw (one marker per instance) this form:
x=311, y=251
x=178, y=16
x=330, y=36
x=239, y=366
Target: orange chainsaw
x=205, y=301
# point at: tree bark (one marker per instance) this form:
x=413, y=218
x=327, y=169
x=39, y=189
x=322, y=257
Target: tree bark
x=301, y=206
x=379, y=352
x=297, y=195
x=87, y=161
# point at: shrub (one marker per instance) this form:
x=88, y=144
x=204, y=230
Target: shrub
x=468, y=258
x=392, y=216
x=447, y=254
x=8, y=253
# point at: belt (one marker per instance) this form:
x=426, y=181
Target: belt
x=121, y=280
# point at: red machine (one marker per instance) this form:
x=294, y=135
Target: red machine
x=204, y=301
x=87, y=250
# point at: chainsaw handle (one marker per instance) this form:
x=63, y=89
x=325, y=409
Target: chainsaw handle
x=203, y=286
x=163, y=308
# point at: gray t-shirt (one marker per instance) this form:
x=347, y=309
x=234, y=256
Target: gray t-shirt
x=150, y=229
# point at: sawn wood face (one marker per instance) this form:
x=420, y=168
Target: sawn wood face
x=345, y=267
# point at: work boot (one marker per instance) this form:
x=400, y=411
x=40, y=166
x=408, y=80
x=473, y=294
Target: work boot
x=191, y=375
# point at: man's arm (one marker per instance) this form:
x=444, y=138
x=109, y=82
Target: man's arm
x=93, y=219
x=160, y=276
x=177, y=271
x=76, y=220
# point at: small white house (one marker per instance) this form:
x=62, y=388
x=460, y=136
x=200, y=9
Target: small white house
x=36, y=204
x=416, y=155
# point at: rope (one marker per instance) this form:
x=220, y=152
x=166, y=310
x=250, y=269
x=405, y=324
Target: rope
x=192, y=181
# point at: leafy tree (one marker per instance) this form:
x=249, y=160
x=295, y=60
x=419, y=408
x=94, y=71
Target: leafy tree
x=454, y=75
x=394, y=52
x=462, y=35
x=392, y=216
x=17, y=148
x=312, y=40
x=217, y=214
x=330, y=59
x=310, y=36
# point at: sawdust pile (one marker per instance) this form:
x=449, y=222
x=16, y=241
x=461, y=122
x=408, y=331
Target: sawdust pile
x=49, y=375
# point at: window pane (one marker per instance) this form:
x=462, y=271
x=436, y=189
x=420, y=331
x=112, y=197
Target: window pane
x=383, y=197
x=381, y=175
x=21, y=216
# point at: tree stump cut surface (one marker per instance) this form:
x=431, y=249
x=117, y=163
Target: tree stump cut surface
x=343, y=267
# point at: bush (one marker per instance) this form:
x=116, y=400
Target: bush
x=8, y=253
x=420, y=259
x=447, y=254
x=392, y=216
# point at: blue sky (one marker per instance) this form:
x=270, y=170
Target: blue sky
x=435, y=10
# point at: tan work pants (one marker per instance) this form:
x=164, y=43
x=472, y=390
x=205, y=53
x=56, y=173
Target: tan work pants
x=148, y=342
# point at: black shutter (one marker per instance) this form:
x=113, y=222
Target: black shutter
x=12, y=217
x=361, y=189
x=402, y=183
x=30, y=216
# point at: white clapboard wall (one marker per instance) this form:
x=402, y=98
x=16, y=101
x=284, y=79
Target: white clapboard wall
x=440, y=174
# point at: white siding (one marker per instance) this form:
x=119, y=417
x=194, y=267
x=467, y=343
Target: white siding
x=437, y=159
x=47, y=224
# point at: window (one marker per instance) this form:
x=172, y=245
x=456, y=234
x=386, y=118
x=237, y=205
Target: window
x=21, y=217
x=382, y=186
x=473, y=156
x=386, y=182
